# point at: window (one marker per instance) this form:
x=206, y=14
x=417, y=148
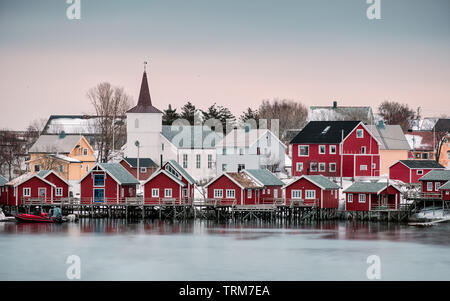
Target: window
x=322, y=167
x=437, y=185
x=249, y=193
x=81, y=165
x=350, y=198
x=362, y=198
x=155, y=192
x=59, y=191
x=424, y=155
x=332, y=149
x=185, y=192
x=37, y=168
x=99, y=180
x=162, y=146
x=363, y=150
x=321, y=149
x=296, y=194
x=26, y=191
x=374, y=165
x=299, y=166
x=224, y=167
x=122, y=192
x=197, y=160
x=172, y=171
x=275, y=193
x=61, y=168
x=136, y=123
x=185, y=161
x=332, y=167
x=143, y=169
x=447, y=192
x=310, y=194
x=359, y=133
x=168, y=192
x=429, y=186
x=241, y=151
x=224, y=151
x=87, y=168
x=303, y=150
x=218, y=193
x=85, y=151
x=420, y=172
x=209, y=161
x=241, y=167
x=313, y=166
x=230, y=193
x=363, y=167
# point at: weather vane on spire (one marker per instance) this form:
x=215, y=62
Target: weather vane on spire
x=145, y=66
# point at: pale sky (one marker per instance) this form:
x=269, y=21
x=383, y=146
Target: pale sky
x=233, y=52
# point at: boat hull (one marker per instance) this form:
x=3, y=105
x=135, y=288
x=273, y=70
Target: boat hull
x=30, y=218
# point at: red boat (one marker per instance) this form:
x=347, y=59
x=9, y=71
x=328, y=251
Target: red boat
x=43, y=218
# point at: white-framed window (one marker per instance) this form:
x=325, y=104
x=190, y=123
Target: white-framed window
x=332, y=149
x=359, y=133
x=58, y=191
x=296, y=194
x=322, y=167
x=185, y=161
x=122, y=192
x=299, y=166
x=310, y=194
x=303, y=150
x=230, y=194
x=363, y=167
x=185, y=192
x=363, y=149
x=249, y=193
x=85, y=151
x=437, y=185
x=313, y=166
x=430, y=186
x=209, y=161
x=218, y=193
x=224, y=167
x=322, y=149
x=26, y=191
x=87, y=168
x=143, y=169
x=332, y=167
x=350, y=197
x=361, y=198
x=136, y=123
x=168, y=192
x=447, y=192
x=198, y=158
x=268, y=190
x=61, y=168
x=275, y=193
x=419, y=172
x=155, y=192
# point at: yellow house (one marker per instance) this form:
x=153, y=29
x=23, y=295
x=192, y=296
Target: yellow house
x=394, y=145
x=71, y=156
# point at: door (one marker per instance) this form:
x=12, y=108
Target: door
x=99, y=195
x=42, y=192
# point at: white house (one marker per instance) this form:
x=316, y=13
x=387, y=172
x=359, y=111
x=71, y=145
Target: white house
x=193, y=147
x=250, y=149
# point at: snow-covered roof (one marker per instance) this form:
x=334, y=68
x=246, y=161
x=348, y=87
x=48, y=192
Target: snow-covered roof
x=390, y=136
x=420, y=140
x=55, y=144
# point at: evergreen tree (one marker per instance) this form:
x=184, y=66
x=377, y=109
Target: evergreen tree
x=249, y=114
x=188, y=112
x=169, y=115
x=218, y=112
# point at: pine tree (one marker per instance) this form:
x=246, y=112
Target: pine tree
x=249, y=114
x=169, y=115
x=188, y=112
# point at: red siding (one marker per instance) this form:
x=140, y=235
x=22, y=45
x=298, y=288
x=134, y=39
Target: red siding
x=112, y=190
x=224, y=183
x=142, y=175
x=432, y=193
x=52, y=178
x=446, y=194
x=401, y=172
x=3, y=195
x=161, y=182
x=328, y=201
x=372, y=200
x=34, y=184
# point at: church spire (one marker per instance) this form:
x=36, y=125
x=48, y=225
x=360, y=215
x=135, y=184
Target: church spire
x=144, y=104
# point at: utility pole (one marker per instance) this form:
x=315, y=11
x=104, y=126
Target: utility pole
x=341, y=154
x=138, y=170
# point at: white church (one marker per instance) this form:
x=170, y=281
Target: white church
x=193, y=147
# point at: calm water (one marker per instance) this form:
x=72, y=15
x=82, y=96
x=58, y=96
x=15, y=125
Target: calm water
x=117, y=250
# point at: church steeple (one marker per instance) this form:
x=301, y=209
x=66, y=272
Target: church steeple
x=144, y=104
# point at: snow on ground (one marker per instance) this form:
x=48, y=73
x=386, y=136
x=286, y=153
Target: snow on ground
x=429, y=213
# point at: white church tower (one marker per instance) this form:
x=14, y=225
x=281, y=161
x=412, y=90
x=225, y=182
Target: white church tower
x=144, y=125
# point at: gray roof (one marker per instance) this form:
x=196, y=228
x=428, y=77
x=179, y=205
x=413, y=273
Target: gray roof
x=43, y=173
x=191, y=136
x=331, y=113
x=366, y=187
x=55, y=144
x=119, y=173
x=437, y=175
x=3, y=181
x=445, y=186
x=422, y=164
x=143, y=162
x=390, y=136
x=322, y=181
x=265, y=177
x=182, y=170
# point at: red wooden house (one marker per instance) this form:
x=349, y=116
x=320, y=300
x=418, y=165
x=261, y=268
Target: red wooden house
x=107, y=182
x=432, y=182
x=322, y=147
x=315, y=190
x=29, y=186
x=409, y=171
x=3, y=191
x=366, y=196
x=61, y=185
x=146, y=167
x=235, y=188
x=170, y=182
x=272, y=186
x=445, y=191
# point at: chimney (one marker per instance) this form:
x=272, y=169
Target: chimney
x=334, y=104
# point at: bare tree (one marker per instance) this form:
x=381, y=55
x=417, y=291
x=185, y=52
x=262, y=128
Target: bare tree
x=110, y=105
x=291, y=114
x=13, y=148
x=396, y=113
